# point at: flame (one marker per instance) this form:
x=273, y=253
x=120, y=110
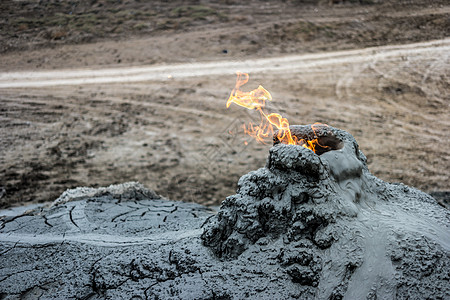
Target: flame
x=256, y=99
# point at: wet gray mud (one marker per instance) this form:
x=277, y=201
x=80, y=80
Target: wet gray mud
x=305, y=226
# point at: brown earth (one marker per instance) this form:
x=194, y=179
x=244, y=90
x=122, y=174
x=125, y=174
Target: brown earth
x=173, y=134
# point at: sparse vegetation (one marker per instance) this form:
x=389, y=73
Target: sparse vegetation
x=97, y=18
x=195, y=12
x=56, y=22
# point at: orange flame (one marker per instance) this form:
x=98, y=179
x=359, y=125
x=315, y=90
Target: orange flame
x=256, y=99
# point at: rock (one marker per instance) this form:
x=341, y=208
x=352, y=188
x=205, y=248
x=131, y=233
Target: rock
x=305, y=226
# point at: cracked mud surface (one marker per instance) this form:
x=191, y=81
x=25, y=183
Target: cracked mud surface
x=303, y=227
x=129, y=121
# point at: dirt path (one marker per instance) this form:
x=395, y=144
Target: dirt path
x=167, y=126
x=292, y=63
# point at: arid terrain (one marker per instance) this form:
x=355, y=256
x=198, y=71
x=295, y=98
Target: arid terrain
x=102, y=92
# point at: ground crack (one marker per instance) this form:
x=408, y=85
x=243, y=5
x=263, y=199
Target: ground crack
x=71, y=217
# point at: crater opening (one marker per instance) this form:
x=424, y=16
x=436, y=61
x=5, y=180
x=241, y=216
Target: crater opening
x=328, y=143
x=321, y=136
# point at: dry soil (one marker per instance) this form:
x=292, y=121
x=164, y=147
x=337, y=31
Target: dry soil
x=98, y=93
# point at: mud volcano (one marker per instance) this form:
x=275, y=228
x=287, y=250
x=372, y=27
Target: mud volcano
x=306, y=226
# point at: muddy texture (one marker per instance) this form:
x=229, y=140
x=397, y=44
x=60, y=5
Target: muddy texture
x=342, y=232
x=305, y=227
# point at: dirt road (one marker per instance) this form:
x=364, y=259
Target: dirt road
x=167, y=126
x=293, y=63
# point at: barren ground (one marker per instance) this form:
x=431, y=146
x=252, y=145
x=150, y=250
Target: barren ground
x=144, y=99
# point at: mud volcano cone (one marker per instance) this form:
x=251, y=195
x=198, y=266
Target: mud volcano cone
x=333, y=227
